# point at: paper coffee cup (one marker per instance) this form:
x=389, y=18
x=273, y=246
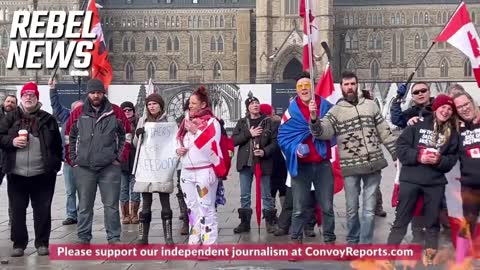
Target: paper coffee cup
x=23, y=133
x=431, y=151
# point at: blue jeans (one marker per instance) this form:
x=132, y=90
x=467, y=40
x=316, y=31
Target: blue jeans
x=126, y=189
x=246, y=178
x=70, y=190
x=361, y=230
x=108, y=181
x=321, y=175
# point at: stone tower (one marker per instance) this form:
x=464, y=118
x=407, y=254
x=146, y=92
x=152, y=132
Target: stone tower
x=280, y=38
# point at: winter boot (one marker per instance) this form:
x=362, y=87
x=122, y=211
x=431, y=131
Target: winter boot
x=245, y=215
x=167, y=227
x=428, y=256
x=379, y=212
x=134, y=212
x=143, y=228
x=270, y=217
x=125, y=213
x=182, y=205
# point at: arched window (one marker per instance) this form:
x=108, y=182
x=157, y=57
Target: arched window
x=421, y=19
x=132, y=44
x=154, y=44
x=167, y=21
x=379, y=41
x=110, y=44
x=402, y=48
x=129, y=71
x=212, y=22
x=292, y=7
x=2, y=15
x=397, y=18
x=375, y=21
x=5, y=39
x=125, y=44
x=220, y=44
x=155, y=22
x=217, y=21
x=394, y=47
x=222, y=21
x=439, y=17
x=403, y=18
x=172, y=71
x=351, y=65
x=424, y=41
x=426, y=18
x=445, y=17
x=217, y=71
x=473, y=17
x=467, y=68
x=145, y=21
x=355, y=41
x=190, y=50
x=199, y=50
x=190, y=25
x=417, y=41
x=348, y=41
x=3, y=70
x=415, y=18
x=374, y=69
x=176, y=44
x=234, y=22
x=169, y=44
x=147, y=44
x=421, y=70
x=150, y=20
x=444, y=68
x=392, y=19
x=213, y=46
x=194, y=21
x=151, y=71
x=199, y=21
x=178, y=21
x=350, y=19
x=371, y=41
x=369, y=20
x=234, y=45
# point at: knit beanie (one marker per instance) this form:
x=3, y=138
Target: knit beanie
x=441, y=100
x=127, y=104
x=32, y=87
x=95, y=85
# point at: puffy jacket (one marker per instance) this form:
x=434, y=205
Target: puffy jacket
x=414, y=138
x=97, y=139
x=268, y=142
x=48, y=134
x=400, y=118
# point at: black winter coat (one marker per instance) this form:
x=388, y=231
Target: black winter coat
x=268, y=142
x=49, y=136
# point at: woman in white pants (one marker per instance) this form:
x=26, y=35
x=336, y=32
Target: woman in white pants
x=199, y=137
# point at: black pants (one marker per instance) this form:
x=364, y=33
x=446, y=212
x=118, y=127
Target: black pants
x=407, y=200
x=39, y=190
x=285, y=218
x=471, y=205
x=164, y=202
x=277, y=185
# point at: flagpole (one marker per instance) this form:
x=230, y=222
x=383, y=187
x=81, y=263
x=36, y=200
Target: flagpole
x=310, y=49
x=140, y=138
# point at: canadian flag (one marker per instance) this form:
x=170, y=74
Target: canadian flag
x=473, y=152
x=101, y=68
x=210, y=137
x=461, y=33
x=314, y=33
x=326, y=89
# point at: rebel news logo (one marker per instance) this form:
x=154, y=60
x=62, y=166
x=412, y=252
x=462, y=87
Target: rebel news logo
x=33, y=34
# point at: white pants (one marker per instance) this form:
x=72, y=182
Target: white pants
x=199, y=189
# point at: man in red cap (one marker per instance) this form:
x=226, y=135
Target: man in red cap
x=33, y=154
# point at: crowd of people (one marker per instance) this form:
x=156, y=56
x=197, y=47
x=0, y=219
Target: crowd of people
x=292, y=153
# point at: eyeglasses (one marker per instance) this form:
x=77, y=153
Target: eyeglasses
x=127, y=110
x=29, y=95
x=463, y=106
x=419, y=91
x=305, y=85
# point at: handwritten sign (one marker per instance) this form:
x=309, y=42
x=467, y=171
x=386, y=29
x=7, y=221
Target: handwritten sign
x=157, y=160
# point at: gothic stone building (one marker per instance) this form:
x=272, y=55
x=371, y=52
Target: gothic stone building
x=248, y=41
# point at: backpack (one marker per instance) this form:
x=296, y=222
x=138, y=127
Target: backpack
x=228, y=149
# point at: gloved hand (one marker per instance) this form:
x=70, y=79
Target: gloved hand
x=139, y=131
x=402, y=90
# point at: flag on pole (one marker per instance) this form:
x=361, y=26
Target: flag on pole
x=314, y=34
x=326, y=89
x=101, y=68
x=461, y=33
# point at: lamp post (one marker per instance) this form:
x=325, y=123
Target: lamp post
x=79, y=76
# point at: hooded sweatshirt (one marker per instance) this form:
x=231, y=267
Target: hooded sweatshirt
x=469, y=153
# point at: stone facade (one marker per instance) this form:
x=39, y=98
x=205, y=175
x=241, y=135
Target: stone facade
x=247, y=41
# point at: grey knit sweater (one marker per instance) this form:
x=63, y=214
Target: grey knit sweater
x=360, y=130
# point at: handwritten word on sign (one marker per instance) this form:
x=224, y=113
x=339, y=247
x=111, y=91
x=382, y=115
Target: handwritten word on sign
x=157, y=161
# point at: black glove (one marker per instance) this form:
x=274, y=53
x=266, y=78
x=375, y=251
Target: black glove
x=139, y=131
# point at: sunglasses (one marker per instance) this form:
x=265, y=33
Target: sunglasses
x=420, y=91
x=302, y=86
x=127, y=110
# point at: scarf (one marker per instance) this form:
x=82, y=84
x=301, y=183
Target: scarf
x=199, y=119
x=29, y=120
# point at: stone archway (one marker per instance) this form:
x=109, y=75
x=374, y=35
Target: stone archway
x=290, y=72
x=283, y=60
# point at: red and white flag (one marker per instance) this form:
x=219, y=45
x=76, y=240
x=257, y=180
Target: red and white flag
x=326, y=89
x=210, y=137
x=461, y=33
x=101, y=68
x=314, y=31
x=473, y=152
